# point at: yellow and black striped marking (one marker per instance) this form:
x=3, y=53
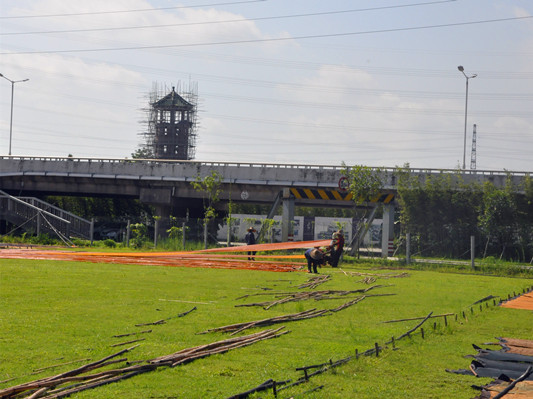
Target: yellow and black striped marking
x=385, y=198
x=308, y=193
x=321, y=194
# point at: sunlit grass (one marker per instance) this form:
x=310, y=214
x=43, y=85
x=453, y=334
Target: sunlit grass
x=59, y=311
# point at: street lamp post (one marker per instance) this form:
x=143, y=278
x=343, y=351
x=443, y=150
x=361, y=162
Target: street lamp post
x=460, y=67
x=12, y=95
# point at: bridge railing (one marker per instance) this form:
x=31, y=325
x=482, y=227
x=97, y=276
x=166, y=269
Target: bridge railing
x=390, y=170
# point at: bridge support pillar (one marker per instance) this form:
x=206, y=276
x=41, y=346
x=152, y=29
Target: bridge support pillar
x=287, y=216
x=387, y=233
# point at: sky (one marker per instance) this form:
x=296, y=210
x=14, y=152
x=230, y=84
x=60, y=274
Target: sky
x=359, y=82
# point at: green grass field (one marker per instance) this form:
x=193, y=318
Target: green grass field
x=55, y=312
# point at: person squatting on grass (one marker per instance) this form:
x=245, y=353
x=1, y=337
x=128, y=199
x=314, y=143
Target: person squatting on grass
x=250, y=240
x=314, y=258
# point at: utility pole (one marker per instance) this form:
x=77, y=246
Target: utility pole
x=468, y=77
x=12, y=95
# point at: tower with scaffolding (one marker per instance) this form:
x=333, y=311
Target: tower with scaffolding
x=172, y=123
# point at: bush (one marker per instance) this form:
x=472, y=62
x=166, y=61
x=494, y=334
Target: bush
x=139, y=235
x=81, y=243
x=490, y=260
x=45, y=239
x=109, y=243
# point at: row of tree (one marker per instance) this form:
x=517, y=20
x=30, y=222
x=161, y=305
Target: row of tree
x=442, y=212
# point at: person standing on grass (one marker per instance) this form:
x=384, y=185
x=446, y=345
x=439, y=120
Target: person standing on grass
x=249, y=238
x=337, y=245
x=314, y=258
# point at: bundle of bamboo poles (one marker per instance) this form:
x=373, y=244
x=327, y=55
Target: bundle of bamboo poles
x=81, y=379
x=368, y=280
x=187, y=355
x=236, y=328
x=306, y=314
x=377, y=275
x=50, y=387
x=315, y=281
x=302, y=296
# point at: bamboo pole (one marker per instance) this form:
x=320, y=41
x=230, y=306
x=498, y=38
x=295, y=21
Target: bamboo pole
x=418, y=318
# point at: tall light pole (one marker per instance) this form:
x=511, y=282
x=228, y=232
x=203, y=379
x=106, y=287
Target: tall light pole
x=12, y=95
x=460, y=67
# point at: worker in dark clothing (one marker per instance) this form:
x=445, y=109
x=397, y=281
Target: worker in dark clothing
x=337, y=245
x=249, y=238
x=314, y=258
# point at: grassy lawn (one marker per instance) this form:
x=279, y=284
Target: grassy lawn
x=55, y=312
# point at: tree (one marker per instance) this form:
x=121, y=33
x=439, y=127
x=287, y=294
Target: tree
x=364, y=183
x=498, y=219
x=143, y=153
x=525, y=220
x=176, y=233
x=440, y=212
x=210, y=186
x=229, y=221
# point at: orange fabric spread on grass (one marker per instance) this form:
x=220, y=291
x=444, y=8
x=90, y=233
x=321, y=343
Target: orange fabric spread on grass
x=204, y=258
x=516, y=342
x=522, y=390
x=272, y=247
x=522, y=302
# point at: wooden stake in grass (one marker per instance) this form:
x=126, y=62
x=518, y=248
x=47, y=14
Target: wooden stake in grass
x=414, y=328
x=263, y=387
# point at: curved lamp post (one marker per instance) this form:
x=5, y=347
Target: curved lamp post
x=460, y=67
x=12, y=94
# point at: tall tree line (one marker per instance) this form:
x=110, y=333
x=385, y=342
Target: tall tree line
x=442, y=212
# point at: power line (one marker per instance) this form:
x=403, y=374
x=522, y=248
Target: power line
x=279, y=39
x=303, y=15
x=131, y=11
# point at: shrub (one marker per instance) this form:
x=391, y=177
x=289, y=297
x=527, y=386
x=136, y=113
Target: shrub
x=109, y=243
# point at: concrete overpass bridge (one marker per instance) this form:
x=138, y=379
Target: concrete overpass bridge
x=166, y=184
